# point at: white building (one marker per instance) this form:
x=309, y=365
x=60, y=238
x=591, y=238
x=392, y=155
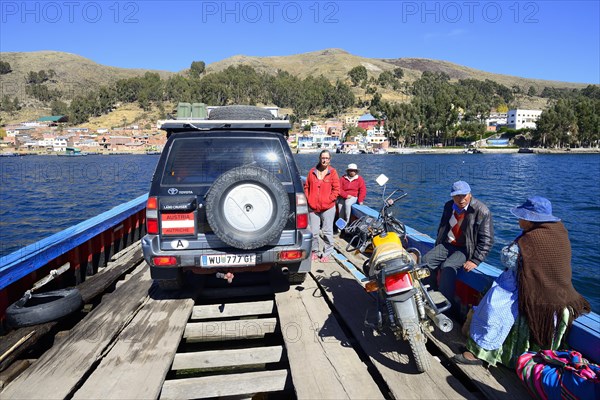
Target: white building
x=496, y=119
x=351, y=121
x=317, y=130
x=519, y=119
x=60, y=143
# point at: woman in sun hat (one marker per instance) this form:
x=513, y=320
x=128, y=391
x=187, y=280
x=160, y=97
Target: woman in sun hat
x=352, y=190
x=532, y=304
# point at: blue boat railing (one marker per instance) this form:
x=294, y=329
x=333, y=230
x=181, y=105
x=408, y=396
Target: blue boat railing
x=86, y=246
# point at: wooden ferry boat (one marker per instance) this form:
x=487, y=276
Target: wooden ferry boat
x=84, y=249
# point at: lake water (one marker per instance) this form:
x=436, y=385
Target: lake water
x=41, y=195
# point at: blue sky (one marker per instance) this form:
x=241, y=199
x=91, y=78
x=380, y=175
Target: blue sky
x=555, y=40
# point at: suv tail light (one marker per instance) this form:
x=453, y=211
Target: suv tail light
x=164, y=261
x=301, y=211
x=399, y=282
x=152, y=215
x=288, y=255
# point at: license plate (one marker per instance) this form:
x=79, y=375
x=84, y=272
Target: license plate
x=227, y=260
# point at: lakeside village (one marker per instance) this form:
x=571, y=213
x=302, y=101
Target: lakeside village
x=50, y=135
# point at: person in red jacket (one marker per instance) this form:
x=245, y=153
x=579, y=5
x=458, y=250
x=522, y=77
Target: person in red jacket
x=352, y=190
x=322, y=187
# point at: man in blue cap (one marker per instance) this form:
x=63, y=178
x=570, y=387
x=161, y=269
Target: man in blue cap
x=465, y=237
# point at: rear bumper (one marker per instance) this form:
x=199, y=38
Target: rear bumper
x=265, y=256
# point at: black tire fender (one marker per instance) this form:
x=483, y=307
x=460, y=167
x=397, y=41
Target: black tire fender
x=38, y=308
x=247, y=207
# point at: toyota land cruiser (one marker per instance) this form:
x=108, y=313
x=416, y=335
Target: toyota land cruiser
x=226, y=197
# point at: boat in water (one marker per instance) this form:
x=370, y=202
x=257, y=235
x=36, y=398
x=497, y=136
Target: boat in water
x=525, y=150
x=72, y=152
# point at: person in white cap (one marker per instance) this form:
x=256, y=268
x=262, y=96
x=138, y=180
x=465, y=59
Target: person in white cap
x=352, y=190
x=465, y=237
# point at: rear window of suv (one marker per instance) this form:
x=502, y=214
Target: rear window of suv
x=200, y=160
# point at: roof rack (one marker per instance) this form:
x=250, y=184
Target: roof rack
x=186, y=125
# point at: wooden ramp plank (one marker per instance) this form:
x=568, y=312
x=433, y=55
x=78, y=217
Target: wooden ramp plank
x=392, y=358
x=322, y=362
x=137, y=364
x=227, y=358
x=226, y=385
x=59, y=370
x=494, y=382
x=233, y=292
x=229, y=330
x=213, y=311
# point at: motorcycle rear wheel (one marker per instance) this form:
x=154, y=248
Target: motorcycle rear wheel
x=420, y=353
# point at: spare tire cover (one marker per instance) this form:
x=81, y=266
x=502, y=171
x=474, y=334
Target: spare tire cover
x=247, y=207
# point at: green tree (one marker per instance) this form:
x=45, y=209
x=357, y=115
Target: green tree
x=58, y=107
x=339, y=98
x=387, y=79
x=5, y=68
x=532, y=91
x=398, y=73
x=197, y=69
x=358, y=74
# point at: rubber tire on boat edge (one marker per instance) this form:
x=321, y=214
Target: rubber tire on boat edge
x=240, y=112
x=43, y=307
x=261, y=179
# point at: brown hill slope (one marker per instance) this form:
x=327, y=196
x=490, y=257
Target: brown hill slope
x=73, y=73
x=335, y=64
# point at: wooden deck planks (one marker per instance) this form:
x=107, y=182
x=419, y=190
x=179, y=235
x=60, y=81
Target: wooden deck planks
x=211, y=311
x=137, y=364
x=216, y=359
x=60, y=369
x=392, y=358
x=493, y=382
x=18, y=341
x=226, y=385
x=322, y=362
x=229, y=330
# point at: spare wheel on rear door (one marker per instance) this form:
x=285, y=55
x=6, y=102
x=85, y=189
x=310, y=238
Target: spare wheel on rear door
x=247, y=207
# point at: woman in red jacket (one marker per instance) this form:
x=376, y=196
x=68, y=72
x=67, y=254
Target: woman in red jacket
x=322, y=188
x=352, y=190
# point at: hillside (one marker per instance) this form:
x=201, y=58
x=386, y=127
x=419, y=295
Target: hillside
x=76, y=74
x=335, y=64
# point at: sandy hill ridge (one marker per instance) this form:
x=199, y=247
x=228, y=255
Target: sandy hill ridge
x=74, y=73
x=335, y=64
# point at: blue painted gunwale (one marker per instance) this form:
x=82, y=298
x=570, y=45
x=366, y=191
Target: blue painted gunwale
x=29, y=259
x=584, y=335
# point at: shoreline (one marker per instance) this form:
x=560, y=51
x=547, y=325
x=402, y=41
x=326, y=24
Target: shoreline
x=401, y=151
x=484, y=150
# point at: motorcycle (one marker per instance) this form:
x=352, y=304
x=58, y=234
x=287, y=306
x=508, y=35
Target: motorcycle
x=404, y=303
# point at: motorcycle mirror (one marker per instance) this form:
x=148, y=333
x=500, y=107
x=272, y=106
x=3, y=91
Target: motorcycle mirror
x=381, y=180
x=340, y=223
